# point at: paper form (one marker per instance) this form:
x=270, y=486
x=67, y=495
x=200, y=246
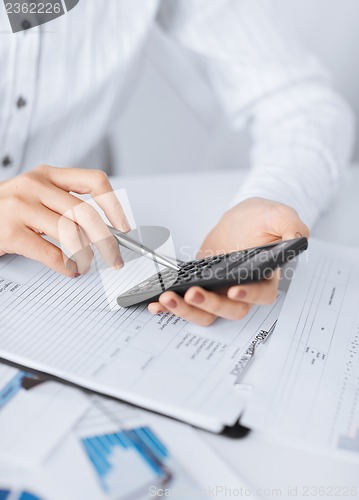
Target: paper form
x=116, y=453
x=34, y=418
x=310, y=390
x=133, y=454
x=163, y=363
x=119, y=452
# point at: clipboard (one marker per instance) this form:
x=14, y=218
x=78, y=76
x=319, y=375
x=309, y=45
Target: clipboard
x=238, y=370
x=38, y=377
x=236, y=431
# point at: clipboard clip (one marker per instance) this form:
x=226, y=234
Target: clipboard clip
x=247, y=357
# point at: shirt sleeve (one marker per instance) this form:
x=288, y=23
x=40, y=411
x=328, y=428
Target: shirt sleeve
x=302, y=130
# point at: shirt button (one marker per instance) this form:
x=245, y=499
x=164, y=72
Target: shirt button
x=21, y=102
x=6, y=161
x=26, y=25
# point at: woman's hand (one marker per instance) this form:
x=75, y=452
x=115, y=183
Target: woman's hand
x=252, y=223
x=39, y=203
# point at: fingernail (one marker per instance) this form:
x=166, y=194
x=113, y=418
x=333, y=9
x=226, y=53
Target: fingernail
x=154, y=309
x=119, y=263
x=240, y=294
x=298, y=235
x=77, y=275
x=125, y=226
x=71, y=266
x=197, y=298
x=171, y=304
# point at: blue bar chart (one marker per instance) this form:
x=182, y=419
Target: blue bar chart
x=128, y=460
x=10, y=387
x=6, y=494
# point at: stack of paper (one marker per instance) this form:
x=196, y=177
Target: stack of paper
x=110, y=451
x=65, y=328
x=307, y=387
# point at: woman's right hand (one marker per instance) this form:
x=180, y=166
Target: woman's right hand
x=40, y=202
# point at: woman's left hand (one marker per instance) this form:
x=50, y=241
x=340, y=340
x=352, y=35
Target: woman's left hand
x=254, y=222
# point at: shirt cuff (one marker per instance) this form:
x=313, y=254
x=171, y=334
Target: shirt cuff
x=287, y=192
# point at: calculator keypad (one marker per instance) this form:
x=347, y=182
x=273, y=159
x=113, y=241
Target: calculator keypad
x=215, y=272
x=193, y=270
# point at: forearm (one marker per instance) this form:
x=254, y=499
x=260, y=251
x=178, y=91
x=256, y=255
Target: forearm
x=303, y=141
x=302, y=131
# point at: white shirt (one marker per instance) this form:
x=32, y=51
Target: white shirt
x=62, y=82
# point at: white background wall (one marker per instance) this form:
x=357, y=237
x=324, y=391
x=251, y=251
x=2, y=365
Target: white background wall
x=158, y=133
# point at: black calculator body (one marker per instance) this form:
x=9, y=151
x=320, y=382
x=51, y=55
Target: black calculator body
x=219, y=271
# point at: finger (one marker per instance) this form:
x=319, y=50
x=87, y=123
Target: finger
x=95, y=183
x=33, y=246
x=291, y=226
x=262, y=292
x=216, y=304
x=295, y=229
x=176, y=305
x=71, y=236
x=156, y=308
x=87, y=218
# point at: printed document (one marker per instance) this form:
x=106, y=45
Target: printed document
x=307, y=387
x=118, y=452
x=34, y=416
x=66, y=328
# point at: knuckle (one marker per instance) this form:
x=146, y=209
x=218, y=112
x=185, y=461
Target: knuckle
x=29, y=182
x=100, y=177
x=24, y=181
x=12, y=204
x=85, y=213
x=284, y=210
x=42, y=169
x=14, y=207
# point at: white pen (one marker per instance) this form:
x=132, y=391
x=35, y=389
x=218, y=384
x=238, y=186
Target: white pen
x=248, y=356
x=127, y=242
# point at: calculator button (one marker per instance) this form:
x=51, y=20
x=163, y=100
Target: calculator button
x=186, y=277
x=144, y=284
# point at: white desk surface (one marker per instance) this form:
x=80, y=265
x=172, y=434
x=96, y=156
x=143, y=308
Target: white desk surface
x=189, y=205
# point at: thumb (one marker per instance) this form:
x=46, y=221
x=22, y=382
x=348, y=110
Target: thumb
x=284, y=222
x=294, y=227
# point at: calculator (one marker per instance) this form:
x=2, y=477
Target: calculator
x=215, y=272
